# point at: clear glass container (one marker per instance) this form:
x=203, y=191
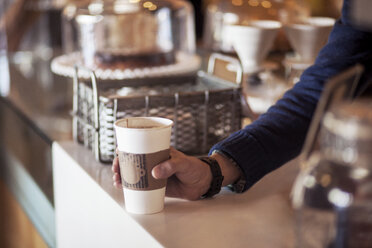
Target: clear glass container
x=32, y=38
x=238, y=12
x=306, y=38
x=129, y=33
x=4, y=62
x=333, y=195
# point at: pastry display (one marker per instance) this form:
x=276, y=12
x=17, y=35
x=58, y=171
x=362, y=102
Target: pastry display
x=135, y=38
x=122, y=35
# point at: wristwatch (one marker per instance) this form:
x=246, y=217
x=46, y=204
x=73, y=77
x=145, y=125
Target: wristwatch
x=239, y=185
x=217, y=177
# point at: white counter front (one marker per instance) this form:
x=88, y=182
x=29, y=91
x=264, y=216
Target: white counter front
x=90, y=211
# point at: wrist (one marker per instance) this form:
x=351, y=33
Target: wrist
x=230, y=171
x=216, y=174
x=207, y=179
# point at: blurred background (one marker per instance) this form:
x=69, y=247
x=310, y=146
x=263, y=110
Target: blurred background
x=35, y=103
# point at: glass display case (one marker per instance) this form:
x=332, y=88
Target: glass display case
x=130, y=34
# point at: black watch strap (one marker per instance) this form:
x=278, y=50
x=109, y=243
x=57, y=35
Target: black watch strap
x=239, y=185
x=217, y=177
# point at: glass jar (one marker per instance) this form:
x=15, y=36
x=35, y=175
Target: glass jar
x=129, y=33
x=333, y=195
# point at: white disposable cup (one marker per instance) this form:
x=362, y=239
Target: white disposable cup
x=143, y=135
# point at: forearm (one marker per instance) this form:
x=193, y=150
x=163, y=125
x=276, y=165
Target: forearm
x=278, y=136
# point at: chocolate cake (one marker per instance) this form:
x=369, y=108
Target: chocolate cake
x=107, y=60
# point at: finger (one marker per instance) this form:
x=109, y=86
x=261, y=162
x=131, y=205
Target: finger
x=117, y=180
x=176, y=164
x=164, y=170
x=118, y=185
x=172, y=188
x=174, y=152
x=116, y=177
x=115, y=165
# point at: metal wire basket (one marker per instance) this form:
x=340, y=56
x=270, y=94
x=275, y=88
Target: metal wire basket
x=205, y=109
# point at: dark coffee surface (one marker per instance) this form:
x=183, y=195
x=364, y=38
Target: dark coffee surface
x=135, y=170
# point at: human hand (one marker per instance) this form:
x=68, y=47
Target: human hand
x=188, y=177
x=116, y=169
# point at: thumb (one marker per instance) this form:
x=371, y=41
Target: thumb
x=164, y=170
